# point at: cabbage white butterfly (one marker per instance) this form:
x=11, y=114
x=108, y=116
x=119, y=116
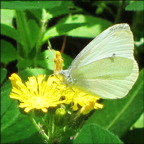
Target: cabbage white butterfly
x=106, y=66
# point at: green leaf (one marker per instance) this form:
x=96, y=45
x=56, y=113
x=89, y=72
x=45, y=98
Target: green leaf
x=9, y=31
x=24, y=63
x=139, y=123
x=29, y=4
x=14, y=126
x=3, y=74
x=46, y=60
x=135, y=6
x=63, y=8
x=24, y=32
x=34, y=32
x=119, y=115
x=93, y=133
x=93, y=27
x=7, y=17
x=61, y=29
x=32, y=54
x=8, y=52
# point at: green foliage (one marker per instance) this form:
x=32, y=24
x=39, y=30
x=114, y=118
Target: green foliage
x=8, y=52
x=49, y=63
x=22, y=5
x=139, y=123
x=135, y=6
x=60, y=29
x=93, y=133
x=6, y=17
x=3, y=74
x=27, y=27
x=93, y=25
x=9, y=31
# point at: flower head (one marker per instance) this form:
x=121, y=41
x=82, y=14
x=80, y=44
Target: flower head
x=36, y=93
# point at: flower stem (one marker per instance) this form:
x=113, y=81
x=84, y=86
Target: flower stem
x=39, y=128
x=119, y=13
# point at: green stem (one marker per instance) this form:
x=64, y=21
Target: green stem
x=119, y=13
x=137, y=24
x=39, y=42
x=44, y=24
x=40, y=130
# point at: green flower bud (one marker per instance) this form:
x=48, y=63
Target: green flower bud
x=60, y=111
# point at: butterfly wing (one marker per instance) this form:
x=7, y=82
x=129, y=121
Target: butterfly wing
x=108, y=78
x=106, y=66
x=116, y=40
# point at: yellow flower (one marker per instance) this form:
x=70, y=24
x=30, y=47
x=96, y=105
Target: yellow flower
x=87, y=102
x=37, y=93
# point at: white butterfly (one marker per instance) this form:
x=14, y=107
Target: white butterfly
x=106, y=66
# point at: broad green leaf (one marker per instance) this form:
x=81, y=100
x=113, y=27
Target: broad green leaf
x=9, y=31
x=119, y=115
x=29, y=4
x=14, y=126
x=8, y=52
x=93, y=26
x=46, y=60
x=135, y=6
x=61, y=29
x=3, y=72
x=24, y=63
x=64, y=8
x=93, y=133
x=7, y=17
